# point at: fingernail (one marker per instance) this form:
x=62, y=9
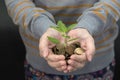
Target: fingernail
x=44, y=54
x=90, y=58
x=65, y=71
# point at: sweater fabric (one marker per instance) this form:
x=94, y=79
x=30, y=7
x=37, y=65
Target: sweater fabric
x=99, y=17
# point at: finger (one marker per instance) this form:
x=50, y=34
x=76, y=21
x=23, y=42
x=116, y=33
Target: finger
x=43, y=47
x=62, y=68
x=75, y=64
x=55, y=58
x=60, y=64
x=70, y=68
x=79, y=58
x=59, y=69
x=89, y=47
x=65, y=71
x=90, y=50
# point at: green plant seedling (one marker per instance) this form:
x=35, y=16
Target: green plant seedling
x=64, y=48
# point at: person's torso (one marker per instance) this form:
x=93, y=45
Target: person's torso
x=68, y=11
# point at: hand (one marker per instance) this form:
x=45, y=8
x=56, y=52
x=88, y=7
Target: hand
x=87, y=43
x=56, y=61
x=76, y=62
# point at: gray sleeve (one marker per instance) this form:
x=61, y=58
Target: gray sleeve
x=100, y=17
x=25, y=14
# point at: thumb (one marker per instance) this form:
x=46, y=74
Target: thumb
x=89, y=56
x=43, y=48
x=44, y=52
x=89, y=50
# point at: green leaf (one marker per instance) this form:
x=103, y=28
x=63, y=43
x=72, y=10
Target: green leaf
x=56, y=28
x=53, y=40
x=66, y=36
x=62, y=26
x=71, y=27
x=72, y=39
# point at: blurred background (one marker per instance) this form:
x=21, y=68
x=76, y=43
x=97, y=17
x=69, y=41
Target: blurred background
x=12, y=50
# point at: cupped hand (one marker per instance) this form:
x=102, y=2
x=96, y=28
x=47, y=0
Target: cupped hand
x=57, y=61
x=87, y=43
x=45, y=46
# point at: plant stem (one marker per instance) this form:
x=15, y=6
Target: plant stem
x=65, y=43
